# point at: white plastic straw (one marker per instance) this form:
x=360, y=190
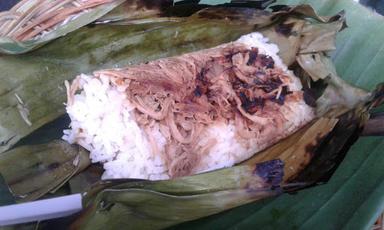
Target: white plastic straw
x=40, y=210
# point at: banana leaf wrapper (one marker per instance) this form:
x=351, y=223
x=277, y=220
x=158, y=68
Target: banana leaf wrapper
x=156, y=205
x=285, y=30
x=310, y=155
x=16, y=38
x=207, y=28
x=32, y=84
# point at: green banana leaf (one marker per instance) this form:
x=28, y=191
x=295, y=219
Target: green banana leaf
x=354, y=196
x=141, y=204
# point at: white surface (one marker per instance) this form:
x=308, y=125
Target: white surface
x=40, y=210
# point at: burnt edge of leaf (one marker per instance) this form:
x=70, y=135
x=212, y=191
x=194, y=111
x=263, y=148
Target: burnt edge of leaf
x=309, y=97
x=230, y=13
x=331, y=151
x=311, y=148
x=188, y=7
x=377, y=96
x=284, y=28
x=272, y=172
x=281, y=7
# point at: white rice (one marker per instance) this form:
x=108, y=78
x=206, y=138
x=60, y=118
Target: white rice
x=102, y=121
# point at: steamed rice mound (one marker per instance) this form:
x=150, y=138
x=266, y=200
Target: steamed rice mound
x=188, y=114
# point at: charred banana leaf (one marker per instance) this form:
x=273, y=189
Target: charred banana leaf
x=295, y=150
x=157, y=205
x=313, y=153
x=331, y=150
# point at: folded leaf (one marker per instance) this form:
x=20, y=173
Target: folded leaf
x=158, y=204
x=131, y=10
x=338, y=92
x=32, y=171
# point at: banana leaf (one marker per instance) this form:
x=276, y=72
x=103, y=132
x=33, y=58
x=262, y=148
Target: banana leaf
x=158, y=204
x=9, y=45
x=32, y=171
x=162, y=9
x=353, y=197
x=132, y=10
x=295, y=150
x=84, y=180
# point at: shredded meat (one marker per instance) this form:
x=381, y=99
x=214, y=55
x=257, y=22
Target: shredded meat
x=186, y=94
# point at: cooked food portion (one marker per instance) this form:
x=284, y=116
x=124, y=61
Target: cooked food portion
x=188, y=114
